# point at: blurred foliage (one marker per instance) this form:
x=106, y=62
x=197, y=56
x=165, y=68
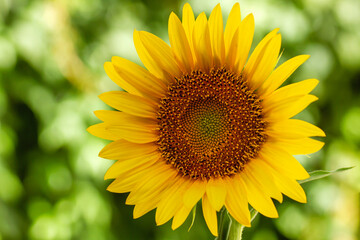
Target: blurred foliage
x=51, y=71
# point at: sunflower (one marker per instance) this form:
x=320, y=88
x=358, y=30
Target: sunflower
x=204, y=122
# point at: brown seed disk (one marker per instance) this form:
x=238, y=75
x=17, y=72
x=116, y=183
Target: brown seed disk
x=210, y=125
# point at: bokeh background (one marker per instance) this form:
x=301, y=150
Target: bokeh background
x=51, y=71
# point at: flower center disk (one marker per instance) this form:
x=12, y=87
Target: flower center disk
x=210, y=125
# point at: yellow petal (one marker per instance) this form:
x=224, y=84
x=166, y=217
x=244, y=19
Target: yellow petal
x=160, y=53
x=216, y=28
x=148, y=60
x=236, y=201
x=180, y=217
x=232, y=53
x=129, y=131
x=293, y=90
x=188, y=21
x=282, y=161
x=122, y=150
x=133, y=133
x=288, y=108
x=285, y=184
x=254, y=58
x=216, y=192
x=116, y=117
x=130, y=180
x=155, y=183
x=111, y=72
x=258, y=199
x=123, y=186
x=300, y=146
x=280, y=74
x=138, y=77
x=209, y=215
x=171, y=201
x=245, y=38
x=141, y=209
x=293, y=128
x=290, y=187
x=129, y=103
x=232, y=26
x=139, y=163
x=257, y=173
x=180, y=44
x=100, y=130
x=264, y=63
x=194, y=193
x=202, y=44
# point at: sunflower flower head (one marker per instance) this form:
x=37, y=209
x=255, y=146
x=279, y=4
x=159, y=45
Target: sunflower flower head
x=205, y=122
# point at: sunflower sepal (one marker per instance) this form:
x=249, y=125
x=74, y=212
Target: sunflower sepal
x=193, y=214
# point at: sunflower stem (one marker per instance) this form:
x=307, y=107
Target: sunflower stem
x=229, y=228
x=235, y=229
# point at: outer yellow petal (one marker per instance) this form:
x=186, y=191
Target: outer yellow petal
x=264, y=62
x=133, y=133
x=288, y=108
x=300, y=146
x=188, y=21
x=263, y=179
x=100, y=130
x=141, y=209
x=155, y=183
x=160, y=53
x=128, y=181
x=122, y=150
x=285, y=184
x=124, y=185
x=254, y=58
x=280, y=74
x=236, y=201
x=216, y=192
x=194, y=193
x=293, y=128
x=245, y=38
x=232, y=26
x=282, y=161
x=258, y=199
x=121, y=82
x=171, y=201
x=180, y=43
x=149, y=62
x=128, y=131
x=116, y=117
x=293, y=90
x=202, y=44
x=138, y=163
x=129, y=103
x=210, y=215
x=180, y=217
x=216, y=28
x=290, y=187
x=138, y=77
x=232, y=53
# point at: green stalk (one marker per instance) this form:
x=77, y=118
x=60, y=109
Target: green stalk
x=229, y=228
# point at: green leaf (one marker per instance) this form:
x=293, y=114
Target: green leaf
x=193, y=217
x=314, y=175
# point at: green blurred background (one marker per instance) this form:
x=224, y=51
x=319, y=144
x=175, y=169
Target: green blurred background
x=51, y=71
